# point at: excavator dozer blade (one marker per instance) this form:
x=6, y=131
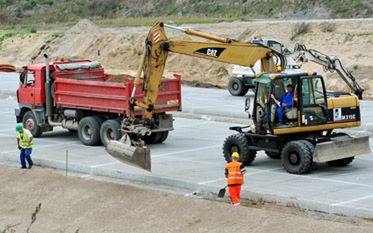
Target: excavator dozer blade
x=135, y=156
x=341, y=147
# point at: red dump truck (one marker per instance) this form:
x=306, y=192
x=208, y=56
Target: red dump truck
x=79, y=96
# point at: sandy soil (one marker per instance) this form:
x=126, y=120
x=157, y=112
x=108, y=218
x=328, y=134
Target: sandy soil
x=41, y=200
x=119, y=49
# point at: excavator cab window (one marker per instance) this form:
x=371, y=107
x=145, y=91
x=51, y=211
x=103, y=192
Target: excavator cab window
x=290, y=114
x=313, y=101
x=276, y=46
x=261, y=101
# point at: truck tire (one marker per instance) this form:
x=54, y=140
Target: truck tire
x=238, y=143
x=89, y=131
x=273, y=155
x=340, y=162
x=237, y=87
x=30, y=123
x=110, y=130
x=297, y=157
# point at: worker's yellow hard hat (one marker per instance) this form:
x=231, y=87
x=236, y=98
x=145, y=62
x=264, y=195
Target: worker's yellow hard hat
x=235, y=155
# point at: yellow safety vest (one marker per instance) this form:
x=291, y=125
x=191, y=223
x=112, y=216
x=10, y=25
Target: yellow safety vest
x=24, y=140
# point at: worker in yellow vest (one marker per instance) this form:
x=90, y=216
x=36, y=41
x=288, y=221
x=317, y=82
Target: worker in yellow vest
x=24, y=142
x=234, y=172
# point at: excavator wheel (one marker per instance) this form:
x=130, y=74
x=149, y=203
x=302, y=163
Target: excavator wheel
x=238, y=143
x=164, y=136
x=297, y=156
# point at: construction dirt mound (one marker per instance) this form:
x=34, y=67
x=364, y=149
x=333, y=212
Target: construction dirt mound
x=120, y=49
x=84, y=26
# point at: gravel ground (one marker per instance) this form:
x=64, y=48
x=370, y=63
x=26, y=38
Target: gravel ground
x=42, y=200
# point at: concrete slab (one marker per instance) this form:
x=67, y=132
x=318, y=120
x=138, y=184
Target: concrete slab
x=191, y=159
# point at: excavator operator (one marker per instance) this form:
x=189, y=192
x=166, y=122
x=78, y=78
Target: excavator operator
x=284, y=103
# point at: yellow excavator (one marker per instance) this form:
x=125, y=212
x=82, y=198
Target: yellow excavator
x=304, y=137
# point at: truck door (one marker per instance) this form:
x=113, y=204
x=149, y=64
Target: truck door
x=313, y=101
x=26, y=90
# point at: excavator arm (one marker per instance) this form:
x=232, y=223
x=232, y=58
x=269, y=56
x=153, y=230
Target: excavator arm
x=151, y=69
x=329, y=63
x=157, y=47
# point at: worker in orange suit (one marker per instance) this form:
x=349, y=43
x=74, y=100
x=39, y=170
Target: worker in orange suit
x=234, y=172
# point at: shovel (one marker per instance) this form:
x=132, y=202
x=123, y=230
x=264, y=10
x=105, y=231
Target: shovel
x=222, y=192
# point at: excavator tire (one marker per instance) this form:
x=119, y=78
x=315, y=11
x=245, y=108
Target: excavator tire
x=237, y=87
x=163, y=137
x=297, y=157
x=238, y=143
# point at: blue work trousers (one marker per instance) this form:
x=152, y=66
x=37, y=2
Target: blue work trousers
x=280, y=113
x=25, y=154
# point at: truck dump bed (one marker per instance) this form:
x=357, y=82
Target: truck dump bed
x=86, y=86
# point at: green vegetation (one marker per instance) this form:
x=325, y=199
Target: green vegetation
x=42, y=13
x=299, y=29
x=6, y=35
x=328, y=27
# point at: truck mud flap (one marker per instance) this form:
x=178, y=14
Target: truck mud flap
x=341, y=147
x=135, y=156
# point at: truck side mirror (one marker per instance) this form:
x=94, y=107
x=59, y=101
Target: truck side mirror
x=248, y=106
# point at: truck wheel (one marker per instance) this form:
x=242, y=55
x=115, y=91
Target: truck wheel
x=237, y=87
x=273, y=155
x=30, y=123
x=340, y=162
x=297, y=156
x=110, y=130
x=238, y=143
x=89, y=131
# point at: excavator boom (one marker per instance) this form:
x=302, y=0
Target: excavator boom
x=329, y=63
x=151, y=69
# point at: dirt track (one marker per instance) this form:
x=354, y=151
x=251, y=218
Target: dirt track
x=71, y=204
x=119, y=49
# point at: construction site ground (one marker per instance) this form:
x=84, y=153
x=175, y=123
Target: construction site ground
x=42, y=200
x=191, y=162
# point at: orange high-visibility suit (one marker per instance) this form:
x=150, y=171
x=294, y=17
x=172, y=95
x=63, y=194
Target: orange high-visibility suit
x=234, y=172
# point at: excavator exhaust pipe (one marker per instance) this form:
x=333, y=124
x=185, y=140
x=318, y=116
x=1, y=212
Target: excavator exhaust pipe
x=132, y=155
x=341, y=147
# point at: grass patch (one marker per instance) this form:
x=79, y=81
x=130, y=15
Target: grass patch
x=299, y=29
x=6, y=35
x=150, y=21
x=33, y=30
x=348, y=37
x=328, y=27
x=58, y=34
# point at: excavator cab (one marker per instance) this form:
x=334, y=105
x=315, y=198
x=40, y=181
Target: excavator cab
x=305, y=133
x=307, y=104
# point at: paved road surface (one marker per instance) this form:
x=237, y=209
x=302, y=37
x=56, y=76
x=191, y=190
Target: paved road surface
x=191, y=158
